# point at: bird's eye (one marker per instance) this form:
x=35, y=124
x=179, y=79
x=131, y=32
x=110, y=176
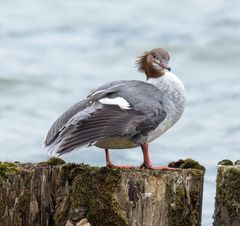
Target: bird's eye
x=154, y=56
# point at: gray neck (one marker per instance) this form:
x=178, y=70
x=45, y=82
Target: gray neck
x=173, y=93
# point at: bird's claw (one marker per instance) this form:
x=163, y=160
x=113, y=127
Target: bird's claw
x=151, y=167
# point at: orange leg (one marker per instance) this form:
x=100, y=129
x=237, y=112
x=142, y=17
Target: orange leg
x=147, y=162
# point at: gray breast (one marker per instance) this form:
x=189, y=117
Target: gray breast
x=173, y=98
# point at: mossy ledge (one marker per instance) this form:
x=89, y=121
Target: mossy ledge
x=58, y=194
x=227, y=201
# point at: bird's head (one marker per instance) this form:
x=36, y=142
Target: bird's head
x=154, y=63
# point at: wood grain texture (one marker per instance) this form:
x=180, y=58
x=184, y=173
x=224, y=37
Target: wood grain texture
x=75, y=194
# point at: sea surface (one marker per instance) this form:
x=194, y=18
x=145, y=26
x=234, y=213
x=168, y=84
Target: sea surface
x=52, y=53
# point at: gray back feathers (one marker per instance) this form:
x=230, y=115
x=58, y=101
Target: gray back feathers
x=89, y=120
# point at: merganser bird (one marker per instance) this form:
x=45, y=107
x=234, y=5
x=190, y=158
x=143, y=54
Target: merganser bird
x=123, y=114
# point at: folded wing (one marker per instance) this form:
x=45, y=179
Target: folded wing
x=99, y=116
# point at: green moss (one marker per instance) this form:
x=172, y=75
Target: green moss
x=66, y=177
x=226, y=162
x=15, y=185
x=7, y=168
x=53, y=161
x=228, y=193
x=181, y=201
x=186, y=164
x=92, y=189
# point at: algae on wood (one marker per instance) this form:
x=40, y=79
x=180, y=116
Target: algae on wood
x=227, y=201
x=75, y=194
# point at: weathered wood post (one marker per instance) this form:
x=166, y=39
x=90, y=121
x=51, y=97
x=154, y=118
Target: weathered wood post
x=227, y=201
x=48, y=194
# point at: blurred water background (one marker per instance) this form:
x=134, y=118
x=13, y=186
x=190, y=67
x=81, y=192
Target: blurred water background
x=52, y=53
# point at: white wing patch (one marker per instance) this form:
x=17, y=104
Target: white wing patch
x=121, y=102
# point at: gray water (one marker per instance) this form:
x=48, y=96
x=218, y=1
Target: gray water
x=52, y=53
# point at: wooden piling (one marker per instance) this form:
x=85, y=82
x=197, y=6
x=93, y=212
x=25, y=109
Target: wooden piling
x=227, y=201
x=57, y=194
